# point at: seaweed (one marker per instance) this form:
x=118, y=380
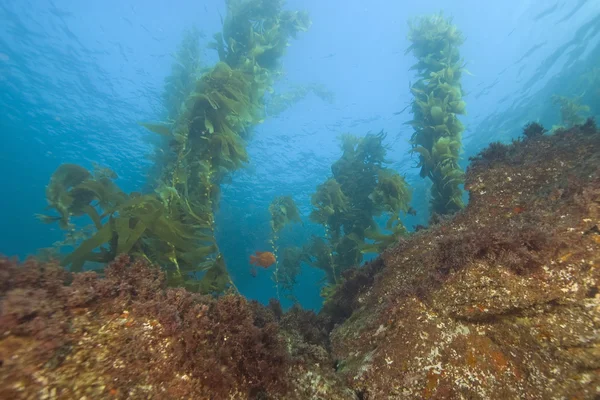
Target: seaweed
x=284, y=211
x=346, y=204
x=436, y=106
x=289, y=266
x=571, y=112
x=279, y=102
x=533, y=130
x=210, y=118
x=186, y=68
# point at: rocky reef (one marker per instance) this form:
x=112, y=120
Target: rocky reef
x=499, y=301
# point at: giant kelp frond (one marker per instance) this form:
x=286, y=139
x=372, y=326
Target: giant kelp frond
x=281, y=101
x=437, y=102
x=289, y=267
x=571, y=112
x=185, y=70
x=257, y=32
x=392, y=193
x=283, y=211
x=327, y=201
x=346, y=204
x=371, y=148
x=379, y=241
x=73, y=191
x=434, y=35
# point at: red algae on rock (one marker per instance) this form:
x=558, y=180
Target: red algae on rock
x=493, y=303
x=127, y=336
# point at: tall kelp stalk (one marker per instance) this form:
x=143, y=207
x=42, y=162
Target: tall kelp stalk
x=436, y=105
x=175, y=226
x=283, y=211
x=361, y=189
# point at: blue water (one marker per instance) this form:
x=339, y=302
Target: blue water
x=76, y=77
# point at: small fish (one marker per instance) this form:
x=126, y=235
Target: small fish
x=262, y=259
x=412, y=211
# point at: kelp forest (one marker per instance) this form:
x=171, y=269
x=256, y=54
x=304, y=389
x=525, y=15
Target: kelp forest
x=210, y=115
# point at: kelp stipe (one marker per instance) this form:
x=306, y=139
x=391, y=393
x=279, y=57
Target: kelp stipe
x=284, y=211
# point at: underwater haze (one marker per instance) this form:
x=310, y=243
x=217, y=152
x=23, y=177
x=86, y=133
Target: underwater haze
x=122, y=86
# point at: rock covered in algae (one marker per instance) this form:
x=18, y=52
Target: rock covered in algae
x=501, y=301
x=126, y=336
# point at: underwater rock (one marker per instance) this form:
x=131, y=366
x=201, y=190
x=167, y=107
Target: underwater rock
x=127, y=336
x=500, y=301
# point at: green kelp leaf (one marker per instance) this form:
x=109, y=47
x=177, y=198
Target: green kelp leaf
x=93, y=214
x=160, y=128
x=104, y=190
x=458, y=107
x=369, y=248
x=437, y=113
x=127, y=234
x=441, y=129
x=47, y=219
x=423, y=152
x=134, y=202
x=283, y=210
x=210, y=127
x=195, y=257
x=216, y=278
x=66, y=176
x=85, y=250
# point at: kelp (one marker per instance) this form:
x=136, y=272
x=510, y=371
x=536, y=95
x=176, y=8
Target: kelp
x=327, y=201
x=137, y=224
x=210, y=115
x=212, y=126
x=283, y=211
x=73, y=190
x=281, y=101
x=186, y=68
x=257, y=32
x=436, y=105
x=361, y=189
x=289, y=267
x=571, y=112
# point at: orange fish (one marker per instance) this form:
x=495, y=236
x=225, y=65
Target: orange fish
x=263, y=259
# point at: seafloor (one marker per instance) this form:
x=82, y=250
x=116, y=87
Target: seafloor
x=500, y=301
